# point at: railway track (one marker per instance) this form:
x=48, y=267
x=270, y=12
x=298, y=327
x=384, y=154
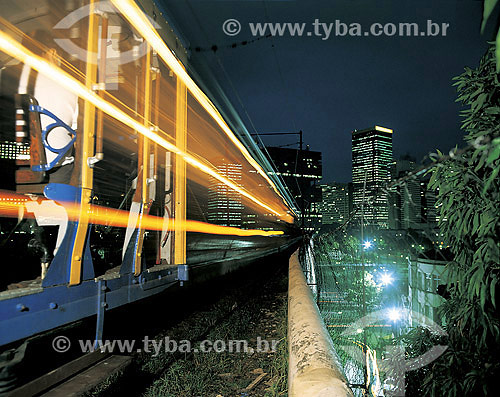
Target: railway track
x=81, y=375
x=76, y=377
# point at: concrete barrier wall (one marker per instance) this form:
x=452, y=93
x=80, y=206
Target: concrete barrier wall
x=314, y=369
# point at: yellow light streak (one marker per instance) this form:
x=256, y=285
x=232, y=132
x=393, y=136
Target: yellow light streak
x=180, y=206
x=141, y=23
x=383, y=129
x=11, y=203
x=371, y=366
x=21, y=53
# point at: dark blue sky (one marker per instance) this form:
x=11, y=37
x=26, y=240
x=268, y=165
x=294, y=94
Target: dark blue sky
x=327, y=88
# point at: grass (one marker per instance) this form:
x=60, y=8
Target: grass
x=226, y=373
x=279, y=365
x=259, y=309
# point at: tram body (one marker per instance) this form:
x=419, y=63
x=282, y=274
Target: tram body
x=120, y=177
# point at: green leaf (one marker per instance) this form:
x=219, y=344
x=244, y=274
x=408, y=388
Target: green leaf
x=475, y=224
x=480, y=164
x=494, y=154
x=491, y=179
x=493, y=288
x=494, y=109
x=483, y=295
x=497, y=51
x=489, y=6
x=479, y=101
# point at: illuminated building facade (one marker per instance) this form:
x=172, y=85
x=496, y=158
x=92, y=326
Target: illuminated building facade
x=429, y=208
x=336, y=204
x=300, y=170
x=412, y=205
x=371, y=157
x=405, y=201
x=224, y=204
x=427, y=276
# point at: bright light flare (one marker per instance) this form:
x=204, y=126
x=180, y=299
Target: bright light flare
x=367, y=245
x=386, y=278
x=11, y=205
x=394, y=314
x=383, y=129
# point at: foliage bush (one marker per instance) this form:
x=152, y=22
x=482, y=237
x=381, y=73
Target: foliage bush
x=469, y=205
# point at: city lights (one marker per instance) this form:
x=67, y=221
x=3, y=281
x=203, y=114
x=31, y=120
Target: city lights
x=11, y=204
x=367, y=245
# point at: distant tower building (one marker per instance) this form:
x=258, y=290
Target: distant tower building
x=428, y=197
x=300, y=170
x=412, y=205
x=224, y=203
x=371, y=157
x=405, y=201
x=336, y=205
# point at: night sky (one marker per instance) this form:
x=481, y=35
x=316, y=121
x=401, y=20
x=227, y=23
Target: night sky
x=327, y=88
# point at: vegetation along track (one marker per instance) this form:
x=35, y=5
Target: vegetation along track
x=249, y=306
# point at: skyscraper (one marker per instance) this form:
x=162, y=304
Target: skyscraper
x=224, y=204
x=371, y=157
x=412, y=205
x=336, y=205
x=405, y=202
x=300, y=170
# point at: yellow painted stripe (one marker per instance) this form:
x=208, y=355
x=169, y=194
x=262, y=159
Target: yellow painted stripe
x=87, y=150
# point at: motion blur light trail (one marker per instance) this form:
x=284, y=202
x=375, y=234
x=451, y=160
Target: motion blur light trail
x=373, y=383
x=141, y=23
x=13, y=205
x=13, y=48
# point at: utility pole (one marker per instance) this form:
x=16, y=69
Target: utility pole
x=363, y=272
x=302, y=204
x=301, y=143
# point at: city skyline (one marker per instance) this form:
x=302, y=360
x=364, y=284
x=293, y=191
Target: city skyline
x=327, y=88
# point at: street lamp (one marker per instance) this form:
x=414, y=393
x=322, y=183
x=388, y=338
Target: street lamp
x=386, y=278
x=367, y=244
x=394, y=314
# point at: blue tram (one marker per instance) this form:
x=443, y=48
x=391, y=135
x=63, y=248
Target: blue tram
x=120, y=176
